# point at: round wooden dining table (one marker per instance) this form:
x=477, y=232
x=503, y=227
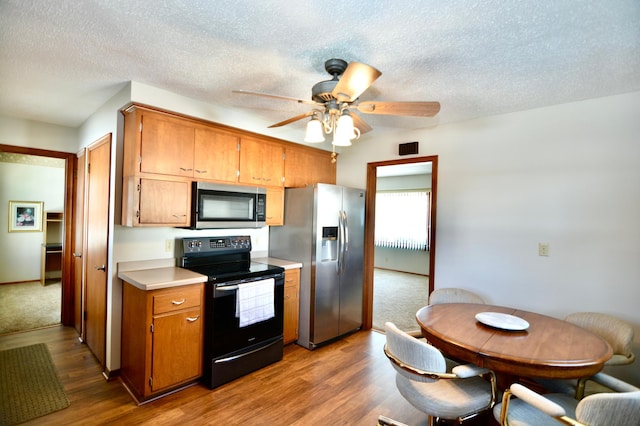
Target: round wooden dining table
x=546, y=348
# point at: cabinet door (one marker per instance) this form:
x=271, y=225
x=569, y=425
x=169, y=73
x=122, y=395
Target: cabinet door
x=166, y=145
x=177, y=348
x=261, y=162
x=216, y=155
x=275, y=206
x=164, y=202
x=304, y=167
x=291, y=304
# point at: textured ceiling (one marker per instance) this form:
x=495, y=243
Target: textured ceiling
x=61, y=60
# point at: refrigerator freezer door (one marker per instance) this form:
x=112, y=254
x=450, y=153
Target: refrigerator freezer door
x=326, y=283
x=352, y=277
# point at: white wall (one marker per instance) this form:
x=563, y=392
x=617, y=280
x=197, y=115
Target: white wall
x=34, y=134
x=567, y=175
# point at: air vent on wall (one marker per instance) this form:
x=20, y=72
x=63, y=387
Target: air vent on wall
x=408, y=148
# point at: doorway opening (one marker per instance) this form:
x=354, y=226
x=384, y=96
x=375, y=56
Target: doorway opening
x=399, y=280
x=65, y=294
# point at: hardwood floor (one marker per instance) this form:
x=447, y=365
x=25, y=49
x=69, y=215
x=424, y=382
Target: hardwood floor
x=349, y=382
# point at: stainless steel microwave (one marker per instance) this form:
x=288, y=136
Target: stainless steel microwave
x=217, y=206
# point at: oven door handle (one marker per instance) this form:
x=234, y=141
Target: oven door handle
x=227, y=288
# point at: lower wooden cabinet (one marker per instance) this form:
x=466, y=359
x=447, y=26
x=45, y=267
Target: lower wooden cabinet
x=291, y=304
x=162, y=338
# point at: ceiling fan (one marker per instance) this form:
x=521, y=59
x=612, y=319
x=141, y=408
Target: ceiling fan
x=335, y=101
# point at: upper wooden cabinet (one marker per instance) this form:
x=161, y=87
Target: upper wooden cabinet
x=305, y=166
x=164, y=152
x=217, y=155
x=166, y=145
x=261, y=162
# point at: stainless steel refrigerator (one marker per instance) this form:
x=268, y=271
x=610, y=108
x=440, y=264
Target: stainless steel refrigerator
x=324, y=230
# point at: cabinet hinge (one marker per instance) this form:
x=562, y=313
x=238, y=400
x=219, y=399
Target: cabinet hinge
x=151, y=382
x=141, y=127
x=151, y=328
x=89, y=168
x=237, y=173
x=140, y=160
x=238, y=147
x=284, y=156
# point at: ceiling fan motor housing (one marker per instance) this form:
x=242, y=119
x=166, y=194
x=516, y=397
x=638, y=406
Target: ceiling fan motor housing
x=321, y=92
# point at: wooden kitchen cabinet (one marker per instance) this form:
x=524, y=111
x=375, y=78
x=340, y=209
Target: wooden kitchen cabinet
x=291, y=304
x=162, y=338
x=306, y=166
x=156, y=202
x=217, y=155
x=164, y=152
x=275, y=206
x=166, y=145
x=261, y=162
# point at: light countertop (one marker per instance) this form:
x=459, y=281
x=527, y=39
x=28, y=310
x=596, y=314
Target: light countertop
x=286, y=264
x=153, y=275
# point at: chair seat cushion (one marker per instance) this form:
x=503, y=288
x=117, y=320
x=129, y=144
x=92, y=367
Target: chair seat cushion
x=523, y=414
x=447, y=399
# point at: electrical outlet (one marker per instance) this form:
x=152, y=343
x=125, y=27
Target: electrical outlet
x=168, y=246
x=543, y=249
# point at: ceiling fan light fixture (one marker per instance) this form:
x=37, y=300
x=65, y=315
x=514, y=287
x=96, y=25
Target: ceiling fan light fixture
x=345, y=128
x=314, y=133
x=339, y=140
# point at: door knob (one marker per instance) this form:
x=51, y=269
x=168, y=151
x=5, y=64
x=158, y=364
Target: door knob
x=102, y=268
x=77, y=254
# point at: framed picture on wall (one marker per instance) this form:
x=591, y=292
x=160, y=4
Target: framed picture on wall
x=25, y=216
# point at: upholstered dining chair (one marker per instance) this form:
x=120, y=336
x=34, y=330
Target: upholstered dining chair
x=453, y=295
x=618, y=333
x=423, y=380
x=604, y=409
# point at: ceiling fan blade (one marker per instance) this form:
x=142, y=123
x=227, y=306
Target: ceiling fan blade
x=355, y=80
x=415, y=109
x=284, y=98
x=292, y=119
x=360, y=123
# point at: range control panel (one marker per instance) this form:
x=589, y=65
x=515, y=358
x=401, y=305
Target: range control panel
x=213, y=244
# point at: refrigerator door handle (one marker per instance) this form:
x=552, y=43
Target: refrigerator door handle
x=343, y=241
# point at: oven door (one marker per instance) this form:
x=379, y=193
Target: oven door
x=223, y=331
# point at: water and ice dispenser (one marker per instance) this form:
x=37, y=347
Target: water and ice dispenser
x=329, y=244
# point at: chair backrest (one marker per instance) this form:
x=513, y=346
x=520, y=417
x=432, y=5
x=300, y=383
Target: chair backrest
x=413, y=352
x=617, y=332
x=453, y=295
x=605, y=409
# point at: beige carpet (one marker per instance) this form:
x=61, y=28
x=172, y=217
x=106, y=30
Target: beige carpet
x=397, y=296
x=27, y=306
x=29, y=385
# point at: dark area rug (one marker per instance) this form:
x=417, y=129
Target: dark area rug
x=29, y=385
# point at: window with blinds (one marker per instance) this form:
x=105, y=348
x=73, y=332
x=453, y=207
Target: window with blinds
x=403, y=219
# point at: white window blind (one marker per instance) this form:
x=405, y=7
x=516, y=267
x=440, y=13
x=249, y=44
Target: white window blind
x=403, y=219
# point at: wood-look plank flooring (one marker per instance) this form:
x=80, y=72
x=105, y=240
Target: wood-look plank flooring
x=348, y=382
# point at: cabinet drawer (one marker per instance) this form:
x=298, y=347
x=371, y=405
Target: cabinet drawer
x=176, y=300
